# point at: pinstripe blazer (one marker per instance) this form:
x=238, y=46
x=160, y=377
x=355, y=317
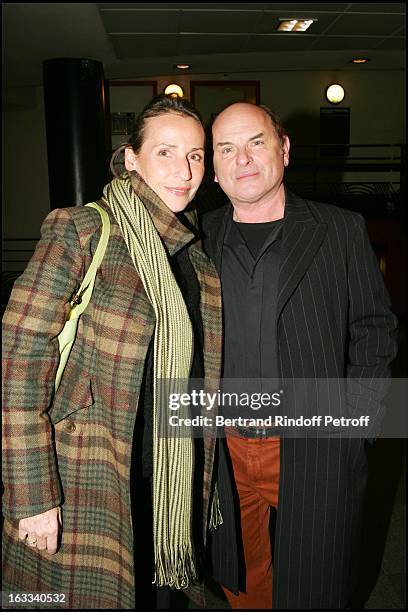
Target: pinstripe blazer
x=75, y=451
x=333, y=320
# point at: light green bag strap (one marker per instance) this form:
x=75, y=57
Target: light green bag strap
x=82, y=297
x=87, y=285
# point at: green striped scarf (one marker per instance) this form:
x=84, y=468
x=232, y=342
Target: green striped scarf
x=173, y=348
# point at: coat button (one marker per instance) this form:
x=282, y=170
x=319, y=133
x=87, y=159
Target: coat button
x=70, y=427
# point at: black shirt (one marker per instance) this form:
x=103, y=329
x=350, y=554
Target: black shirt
x=249, y=278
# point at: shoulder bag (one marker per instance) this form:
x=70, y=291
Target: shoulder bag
x=82, y=297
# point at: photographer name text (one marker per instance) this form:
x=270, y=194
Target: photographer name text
x=269, y=422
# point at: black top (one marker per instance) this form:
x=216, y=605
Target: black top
x=249, y=277
x=256, y=234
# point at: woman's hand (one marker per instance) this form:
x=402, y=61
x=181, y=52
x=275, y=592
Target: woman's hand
x=41, y=530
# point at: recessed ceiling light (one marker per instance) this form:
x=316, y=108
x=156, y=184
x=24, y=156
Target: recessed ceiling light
x=359, y=60
x=294, y=25
x=182, y=66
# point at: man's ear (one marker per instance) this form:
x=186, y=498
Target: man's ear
x=215, y=178
x=131, y=161
x=285, y=151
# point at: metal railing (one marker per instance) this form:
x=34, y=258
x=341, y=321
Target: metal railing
x=369, y=178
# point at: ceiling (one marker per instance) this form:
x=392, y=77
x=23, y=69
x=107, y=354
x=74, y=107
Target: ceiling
x=144, y=40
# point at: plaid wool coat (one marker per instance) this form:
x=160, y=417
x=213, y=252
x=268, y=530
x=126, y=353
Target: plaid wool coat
x=75, y=451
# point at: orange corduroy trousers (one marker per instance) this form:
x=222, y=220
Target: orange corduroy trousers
x=256, y=465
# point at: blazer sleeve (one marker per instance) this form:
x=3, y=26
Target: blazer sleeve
x=35, y=315
x=372, y=326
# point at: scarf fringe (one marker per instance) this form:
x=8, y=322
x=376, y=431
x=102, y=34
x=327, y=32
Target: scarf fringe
x=177, y=571
x=215, y=516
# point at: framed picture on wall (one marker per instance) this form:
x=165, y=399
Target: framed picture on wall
x=211, y=96
x=127, y=99
x=122, y=122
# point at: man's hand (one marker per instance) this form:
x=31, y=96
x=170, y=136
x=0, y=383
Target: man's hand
x=41, y=530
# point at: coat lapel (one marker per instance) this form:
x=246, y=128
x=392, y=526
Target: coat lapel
x=215, y=233
x=302, y=236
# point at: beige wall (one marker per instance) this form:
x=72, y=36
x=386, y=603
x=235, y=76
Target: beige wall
x=376, y=99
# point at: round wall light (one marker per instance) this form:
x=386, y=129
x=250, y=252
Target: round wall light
x=174, y=90
x=335, y=93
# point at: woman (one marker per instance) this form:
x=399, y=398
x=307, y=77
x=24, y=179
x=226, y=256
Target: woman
x=155, y=313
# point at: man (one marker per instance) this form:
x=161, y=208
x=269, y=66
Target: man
x=303, y=298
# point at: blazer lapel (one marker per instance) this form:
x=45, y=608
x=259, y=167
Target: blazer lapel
x=214, y=235
x=302, y=236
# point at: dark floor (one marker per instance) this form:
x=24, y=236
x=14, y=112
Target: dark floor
x=389, y=590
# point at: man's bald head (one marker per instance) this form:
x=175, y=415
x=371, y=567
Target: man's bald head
x=240, y=107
